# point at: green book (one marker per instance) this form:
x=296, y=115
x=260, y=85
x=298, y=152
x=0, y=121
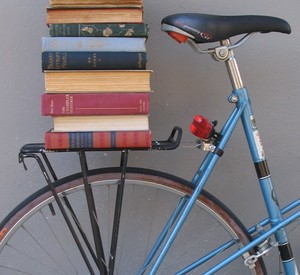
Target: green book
x=99, y=30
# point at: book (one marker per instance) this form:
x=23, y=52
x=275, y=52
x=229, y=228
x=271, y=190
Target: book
x=109, y=3
x=100, y=123
x=89, y=14
x=94, y=60
x=88, y=44
x=99, y=30
x=97, y=81
x=95, y=104
x=97, y=140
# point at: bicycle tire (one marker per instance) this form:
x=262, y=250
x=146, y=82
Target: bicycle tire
x=32, y=241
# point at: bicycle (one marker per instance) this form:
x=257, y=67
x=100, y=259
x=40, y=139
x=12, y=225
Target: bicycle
x=89, y=223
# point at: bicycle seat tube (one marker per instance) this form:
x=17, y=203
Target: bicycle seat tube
x=222, y=53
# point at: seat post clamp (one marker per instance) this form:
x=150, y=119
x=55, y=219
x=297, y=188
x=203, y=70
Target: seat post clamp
x=221, y=53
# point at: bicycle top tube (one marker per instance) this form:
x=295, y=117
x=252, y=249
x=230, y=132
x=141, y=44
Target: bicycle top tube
x=205, y=28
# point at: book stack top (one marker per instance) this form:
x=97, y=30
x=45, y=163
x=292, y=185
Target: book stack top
x=97, y=86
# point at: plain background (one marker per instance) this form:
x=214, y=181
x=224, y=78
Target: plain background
x=184, y=84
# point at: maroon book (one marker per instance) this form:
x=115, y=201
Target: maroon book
x=95, y=104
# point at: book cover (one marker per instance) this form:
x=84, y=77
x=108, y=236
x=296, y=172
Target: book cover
x=100, y=123
x=94, y=60
x=109, y=3
x=97, y=140
x=99, y=30
x=97, y=81
x=88, y=44
x=92, y=14
x=95, y=104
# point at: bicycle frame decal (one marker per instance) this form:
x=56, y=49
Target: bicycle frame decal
x=257, y=138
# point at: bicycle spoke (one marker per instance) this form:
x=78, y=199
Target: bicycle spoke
x=58, y=242
x=46, y=252
x=16, y=271
x=30, y=260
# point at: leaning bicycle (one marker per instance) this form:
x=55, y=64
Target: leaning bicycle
x=127, y=220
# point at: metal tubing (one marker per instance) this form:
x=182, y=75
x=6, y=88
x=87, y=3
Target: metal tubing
x=232, y=68
x=63, y=212
x=209, y=165
x=49, y=166
x=185, y=213
x=68, y=205
x=254, y=243
x=283, y=211
x=82, y=233
x=231, y=120
x=264, y=178
x=206, y=258
x=93, y=215
x=117, y=215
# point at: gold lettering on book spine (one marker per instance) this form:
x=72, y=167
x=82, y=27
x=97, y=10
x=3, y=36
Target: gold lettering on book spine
x=67, y=105
x=50, y=61
x=57, y=61
x=64, y=61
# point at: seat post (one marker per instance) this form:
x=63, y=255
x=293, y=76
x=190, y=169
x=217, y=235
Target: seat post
x=232, y=67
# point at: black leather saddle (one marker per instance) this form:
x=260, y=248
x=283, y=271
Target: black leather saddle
x=204, y=28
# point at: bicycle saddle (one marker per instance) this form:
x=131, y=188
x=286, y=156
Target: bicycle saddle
x=204, y=28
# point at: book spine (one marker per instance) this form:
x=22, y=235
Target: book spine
x=94, y=60
x=99, y=30
x=97, y=140
x=95, y=104
x=88, y=44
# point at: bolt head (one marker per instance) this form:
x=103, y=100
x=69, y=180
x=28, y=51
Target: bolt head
x=233, y=99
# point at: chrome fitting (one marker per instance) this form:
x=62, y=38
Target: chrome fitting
x=221, y=53
x=233, y=99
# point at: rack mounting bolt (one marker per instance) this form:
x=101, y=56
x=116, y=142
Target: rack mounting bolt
x=233, y=99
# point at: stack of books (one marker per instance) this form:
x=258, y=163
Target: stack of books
x=97, y=86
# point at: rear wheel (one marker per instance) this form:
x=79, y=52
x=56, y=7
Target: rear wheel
x=34, y=241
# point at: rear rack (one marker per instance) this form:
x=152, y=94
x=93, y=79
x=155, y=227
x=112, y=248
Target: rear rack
x=170, y=144
x=38, y=152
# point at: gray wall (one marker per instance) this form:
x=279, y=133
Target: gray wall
x=269, y=64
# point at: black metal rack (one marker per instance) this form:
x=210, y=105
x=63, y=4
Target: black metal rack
x=38, y=152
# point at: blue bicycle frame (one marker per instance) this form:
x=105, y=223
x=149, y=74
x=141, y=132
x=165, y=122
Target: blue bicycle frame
x=244, y=112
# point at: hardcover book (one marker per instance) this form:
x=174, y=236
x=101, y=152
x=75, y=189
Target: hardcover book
x=100, y=123
x=93, y=15
x=88, y=44
x=99, y=30
x=109, y=3
x=95, y=104
x=94, y=60
x=97, y=140
x=97, y=81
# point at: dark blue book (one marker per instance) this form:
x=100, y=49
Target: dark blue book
x=94, y=60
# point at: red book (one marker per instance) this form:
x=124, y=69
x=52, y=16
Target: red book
x=97, y=140
x=95, y=104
